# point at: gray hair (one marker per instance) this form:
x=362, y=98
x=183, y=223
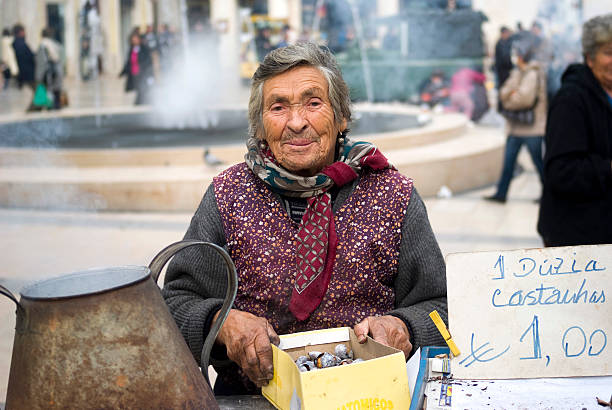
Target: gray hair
x=525, y=48
x=595, y=33
x=283, y=59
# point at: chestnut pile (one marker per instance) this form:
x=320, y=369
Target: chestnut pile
x=320, y=360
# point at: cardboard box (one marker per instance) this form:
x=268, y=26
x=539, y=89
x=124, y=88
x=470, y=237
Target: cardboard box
x=380, y=382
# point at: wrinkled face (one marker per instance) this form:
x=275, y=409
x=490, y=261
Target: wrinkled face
x=298, y=120
x=601, y=66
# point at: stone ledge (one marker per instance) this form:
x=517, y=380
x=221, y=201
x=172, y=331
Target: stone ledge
x=469, y=161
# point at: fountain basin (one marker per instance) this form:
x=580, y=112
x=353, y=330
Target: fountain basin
x=139, y=137
x=150, y=130
x=151, y=176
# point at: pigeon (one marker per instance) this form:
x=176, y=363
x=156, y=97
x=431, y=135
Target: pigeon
x=211, y=159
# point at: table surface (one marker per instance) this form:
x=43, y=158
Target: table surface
x=545, y=393
x=496, y=392
x=243, y=402
x=232, y=402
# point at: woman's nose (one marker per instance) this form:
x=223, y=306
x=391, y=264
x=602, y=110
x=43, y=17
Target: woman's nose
x=297, y=119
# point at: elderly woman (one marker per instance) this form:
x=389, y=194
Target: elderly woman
x=323, y=231
x=525, y=88
x=576, y=205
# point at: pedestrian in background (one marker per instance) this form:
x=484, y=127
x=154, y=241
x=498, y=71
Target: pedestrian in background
x=576, y=205
x=543, y=51
x=24, y=56
x=462, y=97
x=167, y=43
x=6, y=75
x=139, y=70
x=151, y=42
x=49, y=69
x=503, y=60
x=8, y=57
x=435, y=90
x=285, y=37
x=263, y=42
x=524, y=89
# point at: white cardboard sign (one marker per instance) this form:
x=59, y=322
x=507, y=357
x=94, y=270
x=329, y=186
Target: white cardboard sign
x=531, y=312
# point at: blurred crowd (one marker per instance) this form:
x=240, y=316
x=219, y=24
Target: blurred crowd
x=264, y=42
x=464, y=90
x=560, y=109
x=41, y=71
x=553, y=53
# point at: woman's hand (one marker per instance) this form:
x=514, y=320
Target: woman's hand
x=247, y=339
x=388, y=330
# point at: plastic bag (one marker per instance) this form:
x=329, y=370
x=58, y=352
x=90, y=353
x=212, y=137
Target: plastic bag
x=42, y=98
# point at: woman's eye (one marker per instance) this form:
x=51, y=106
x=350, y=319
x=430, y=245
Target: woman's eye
x=277, y=108
x=314, y=104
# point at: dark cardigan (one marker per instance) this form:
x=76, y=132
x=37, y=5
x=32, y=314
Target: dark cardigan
x=195, y=281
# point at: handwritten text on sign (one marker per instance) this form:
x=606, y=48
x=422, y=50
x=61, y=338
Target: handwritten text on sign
x=532, y=312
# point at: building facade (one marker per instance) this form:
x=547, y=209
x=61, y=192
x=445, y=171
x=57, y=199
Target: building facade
x=113, y=20
x=105, y=31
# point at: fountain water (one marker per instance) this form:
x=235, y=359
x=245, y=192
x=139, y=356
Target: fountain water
x=189, y=93
x=365, y=63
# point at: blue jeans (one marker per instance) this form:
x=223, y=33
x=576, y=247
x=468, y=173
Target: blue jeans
x=513, y=146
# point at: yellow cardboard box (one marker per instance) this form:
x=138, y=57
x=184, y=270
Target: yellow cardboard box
x=379, y=382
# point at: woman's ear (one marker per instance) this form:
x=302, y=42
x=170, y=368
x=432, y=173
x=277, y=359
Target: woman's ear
x=343, y=125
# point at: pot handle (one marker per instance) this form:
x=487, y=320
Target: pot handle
x=160, y=260
x=9, y=294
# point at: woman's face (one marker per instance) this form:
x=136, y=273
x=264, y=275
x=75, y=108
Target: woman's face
x=298, y=120
x=601, y=65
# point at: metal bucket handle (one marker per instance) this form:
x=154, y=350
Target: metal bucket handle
x=9, y=294
x=158, y=263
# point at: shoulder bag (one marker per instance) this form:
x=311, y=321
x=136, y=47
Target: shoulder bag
x=525, y=116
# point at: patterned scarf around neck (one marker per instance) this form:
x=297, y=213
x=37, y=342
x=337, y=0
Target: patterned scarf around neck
x=316, y=237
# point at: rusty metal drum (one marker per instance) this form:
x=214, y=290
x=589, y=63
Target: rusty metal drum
x=101, y=338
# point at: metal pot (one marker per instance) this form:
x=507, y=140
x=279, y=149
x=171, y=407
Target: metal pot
x=104, y=338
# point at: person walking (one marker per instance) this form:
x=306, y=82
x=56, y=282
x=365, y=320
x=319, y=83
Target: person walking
x=139, y=70
x=8, y=56
x=24, y=56
x=525, y=88
x=49, y=70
